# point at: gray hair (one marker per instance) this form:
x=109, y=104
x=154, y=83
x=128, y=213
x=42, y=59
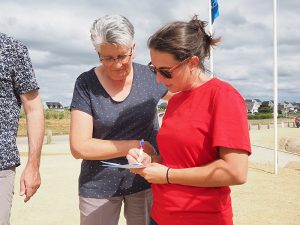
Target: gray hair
x=112, y=29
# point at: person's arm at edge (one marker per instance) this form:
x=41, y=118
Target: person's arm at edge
x=230, y=169
x=30, y=179
x=83, y=146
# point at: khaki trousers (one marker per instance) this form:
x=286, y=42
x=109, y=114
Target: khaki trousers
x=107, y=211
x=7, y=179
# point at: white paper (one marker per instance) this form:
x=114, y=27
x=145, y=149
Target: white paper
x=124, y=166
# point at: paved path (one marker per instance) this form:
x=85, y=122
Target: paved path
x=55, y=139
x=266, y=155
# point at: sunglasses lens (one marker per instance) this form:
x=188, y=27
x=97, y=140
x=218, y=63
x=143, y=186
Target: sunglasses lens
x=165, y=73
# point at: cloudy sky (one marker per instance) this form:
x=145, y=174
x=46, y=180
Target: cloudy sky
x=56, y=33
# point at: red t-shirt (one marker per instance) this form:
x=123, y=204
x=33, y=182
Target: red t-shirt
x=195, y=124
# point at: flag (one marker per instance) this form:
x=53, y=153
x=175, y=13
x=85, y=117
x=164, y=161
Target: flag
x=214, y=10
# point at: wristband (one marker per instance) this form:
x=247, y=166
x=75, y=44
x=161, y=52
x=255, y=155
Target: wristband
x=167, y=175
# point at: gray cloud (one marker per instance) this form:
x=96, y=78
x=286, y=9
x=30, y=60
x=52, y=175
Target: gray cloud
x=56, y=33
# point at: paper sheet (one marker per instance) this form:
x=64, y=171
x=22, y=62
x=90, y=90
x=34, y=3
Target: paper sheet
x=124, y=166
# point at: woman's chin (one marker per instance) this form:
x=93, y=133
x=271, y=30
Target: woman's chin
x=119, y=75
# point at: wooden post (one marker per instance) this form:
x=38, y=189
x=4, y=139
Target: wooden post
x=258, y=126
x=49, y=136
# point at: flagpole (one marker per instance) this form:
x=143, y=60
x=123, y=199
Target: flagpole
x=275, y=75
x=211, y=58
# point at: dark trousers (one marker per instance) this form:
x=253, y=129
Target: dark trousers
x=152, y=222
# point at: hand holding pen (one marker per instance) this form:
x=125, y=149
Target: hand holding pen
x=141, y=154
x=141, y=150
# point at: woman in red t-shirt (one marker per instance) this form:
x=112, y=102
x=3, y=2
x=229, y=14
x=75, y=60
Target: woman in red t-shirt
x=204, y=139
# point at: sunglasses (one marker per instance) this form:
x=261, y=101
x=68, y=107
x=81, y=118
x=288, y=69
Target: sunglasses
x=167, y=73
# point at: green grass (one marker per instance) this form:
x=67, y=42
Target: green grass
x=56, y=121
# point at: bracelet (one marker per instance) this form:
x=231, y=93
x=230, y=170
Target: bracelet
x=167, y=175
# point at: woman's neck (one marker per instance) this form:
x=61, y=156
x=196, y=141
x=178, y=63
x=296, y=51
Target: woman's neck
x=198, y=78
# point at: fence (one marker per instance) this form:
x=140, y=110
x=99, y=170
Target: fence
x=269, y=125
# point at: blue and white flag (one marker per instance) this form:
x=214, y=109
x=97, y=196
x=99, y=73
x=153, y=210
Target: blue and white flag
x=214, y=10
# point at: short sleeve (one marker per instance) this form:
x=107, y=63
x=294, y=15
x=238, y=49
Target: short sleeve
x=23, y=74
x=230, y=124
x=81, y=97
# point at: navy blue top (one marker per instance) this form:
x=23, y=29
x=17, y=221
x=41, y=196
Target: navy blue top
x=16, y=78
x=133, y=118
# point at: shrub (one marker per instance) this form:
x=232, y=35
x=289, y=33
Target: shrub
x=55, y=114
x=259, y=116
x=22, y=114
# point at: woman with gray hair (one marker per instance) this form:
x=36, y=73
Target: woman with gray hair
x=113, y=108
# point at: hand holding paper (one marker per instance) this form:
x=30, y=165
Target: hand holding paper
x=124, y=166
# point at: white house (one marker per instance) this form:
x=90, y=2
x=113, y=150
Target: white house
x=253, y=105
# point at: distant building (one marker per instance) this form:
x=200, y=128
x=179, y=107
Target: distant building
x=269, y=103
x=290, y=107
x=257, y=100
x=253, y=105
x=296, y=106
x=54, y=105
x=287, y=107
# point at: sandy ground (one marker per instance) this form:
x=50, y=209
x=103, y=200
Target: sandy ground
x=266, y=199
x=265, y=137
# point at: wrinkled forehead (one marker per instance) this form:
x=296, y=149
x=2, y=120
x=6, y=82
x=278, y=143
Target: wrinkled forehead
x=112, y=49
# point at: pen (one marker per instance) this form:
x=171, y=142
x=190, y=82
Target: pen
x=141, y=147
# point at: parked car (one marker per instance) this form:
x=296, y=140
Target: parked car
x=297, y=121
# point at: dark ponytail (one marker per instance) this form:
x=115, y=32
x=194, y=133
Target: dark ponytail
x=184, y=39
